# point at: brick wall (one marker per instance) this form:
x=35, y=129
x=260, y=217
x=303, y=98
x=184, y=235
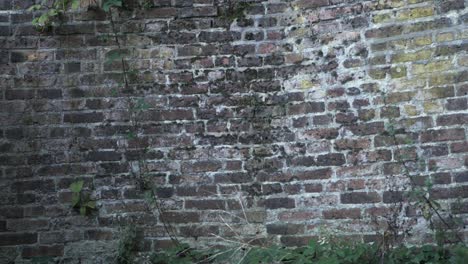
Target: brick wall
x=285, y=110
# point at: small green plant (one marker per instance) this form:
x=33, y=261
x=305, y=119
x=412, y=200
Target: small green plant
x=127, y=245
x=233, y=10
x=51, y=12
x=80, y=200
x=316, y=252
x=108, y=4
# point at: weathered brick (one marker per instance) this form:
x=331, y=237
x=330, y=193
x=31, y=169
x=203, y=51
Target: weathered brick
x=275, y=203
x=443, y=135
x=17, y=239
x=284, y=229
x=449, y=5
x=205, y=204
x=103, y=156
x=332, y=159
x=450, y=120
x=309, y=174
x=83, y=117
x=360, y=198
x=459, y=147
x=354, y=213
x=42, y=251
x=304, y=4
x=201, y=166
x=305, y=108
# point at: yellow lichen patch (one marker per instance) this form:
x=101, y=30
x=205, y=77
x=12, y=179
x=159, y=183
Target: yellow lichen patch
x=422, y=41
x=446, y=78
x=438, y=92
x=415, y=13
x=411, y=110
x=414, y=56
x=398, y=72
x=463, y=61
x=306, y=84
x=432, y=107
x=412, y=84
x=432, y=67
x=447, y=36
x=381, y=18
x=300, y=82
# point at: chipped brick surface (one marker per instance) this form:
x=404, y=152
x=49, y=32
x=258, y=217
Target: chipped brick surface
x=284, y=109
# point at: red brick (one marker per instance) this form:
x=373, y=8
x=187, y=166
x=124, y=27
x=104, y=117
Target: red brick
x=205, y=204
x=443, y=135
x=275, y=203
x=360, y=198
x=17, y=239
x=284, y=229
x=43, y=251
x=354, y=213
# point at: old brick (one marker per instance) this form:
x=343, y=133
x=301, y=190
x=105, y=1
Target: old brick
x=42, y=251
x=96, y=234
x=180, y=217
x=368, y=128
x=305, y=108
x=275, y=203
x=449, y=5
x=459, y=208
x=83, y=117
x=103, y=156
x=302, y=161
x=448, y=193
x=385, y=32
x=206, y=190
x=450, y=120
x=205, y=204
x=34, y=185
x=354, y=213
x=305, y=4
x=353, y=144
x=461, y=176
x=200, y=166
x=313, y=187
x=332, y=159
x=443, y=135
x=309, y=174
x=459, y=147
x=17, y=239
x=457, y=104
x=284, y=229
x=360, y=198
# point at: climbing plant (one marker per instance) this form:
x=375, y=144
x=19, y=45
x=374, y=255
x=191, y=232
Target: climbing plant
x=50, y=12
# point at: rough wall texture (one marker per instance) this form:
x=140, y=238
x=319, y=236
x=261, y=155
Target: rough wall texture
x=283, y=110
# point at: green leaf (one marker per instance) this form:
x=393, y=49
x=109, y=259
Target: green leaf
x=75, y=4
x=131, y=135
x=75, y=199
x=83, y=210
x=108, y=4
x=77, y=186
x=91, y=204
x=35, y=7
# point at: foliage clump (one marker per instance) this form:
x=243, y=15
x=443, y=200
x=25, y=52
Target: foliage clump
x=317, y=252
x=127, y=245
x=81, y=200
